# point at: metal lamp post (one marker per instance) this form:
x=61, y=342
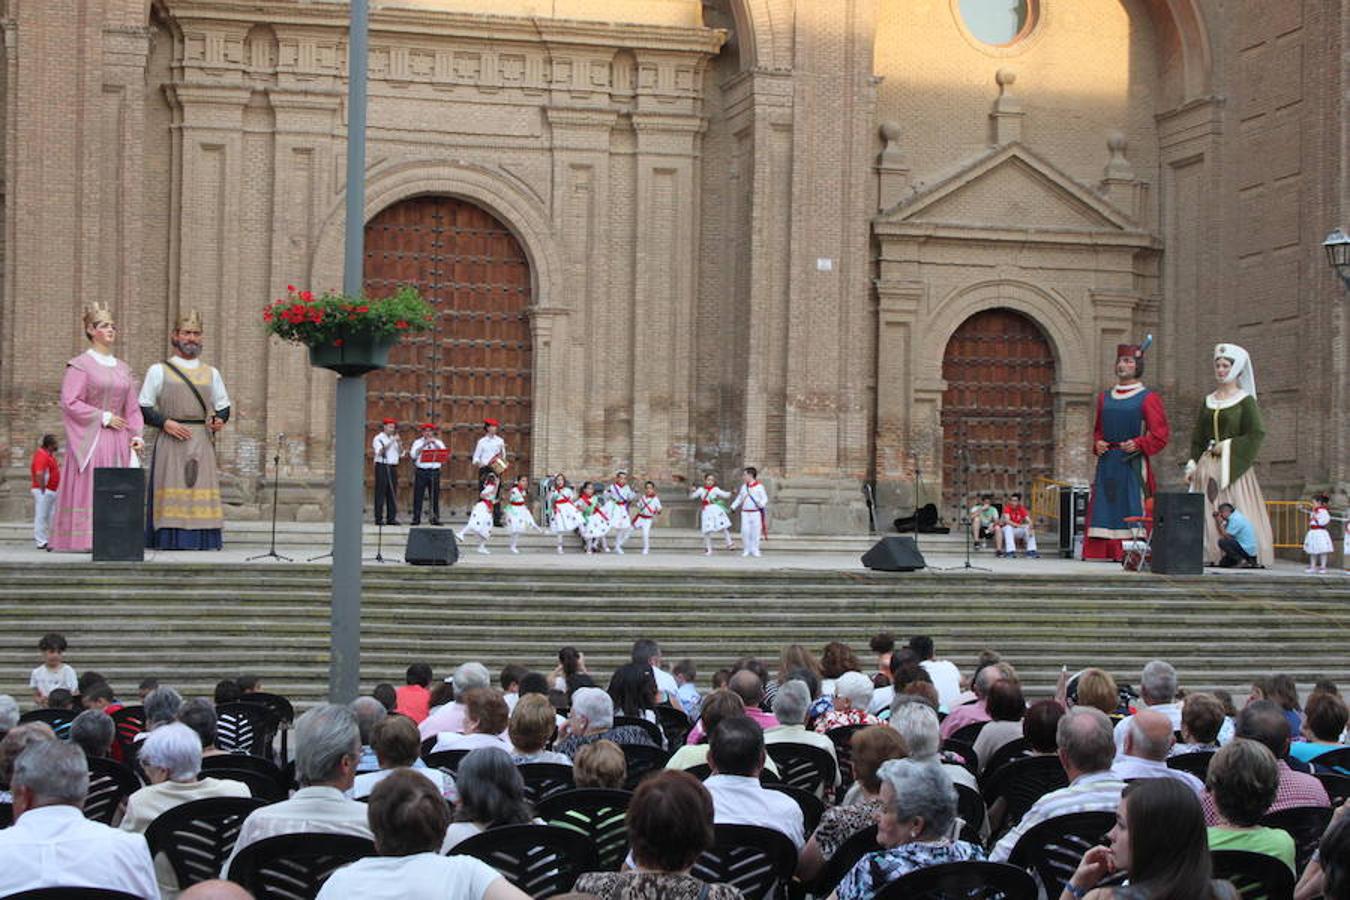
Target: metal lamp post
x=1337, y=246
x=344, y=667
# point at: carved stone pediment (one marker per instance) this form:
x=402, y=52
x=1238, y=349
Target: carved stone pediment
x=1010, y=190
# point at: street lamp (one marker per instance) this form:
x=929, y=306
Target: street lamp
x=1337, y=246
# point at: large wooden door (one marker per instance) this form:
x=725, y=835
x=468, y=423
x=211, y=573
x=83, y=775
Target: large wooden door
x=477, y=362
x=998, y=414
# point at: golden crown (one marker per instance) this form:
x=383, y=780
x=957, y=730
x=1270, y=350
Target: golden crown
x=96, y=313
x=189, y=320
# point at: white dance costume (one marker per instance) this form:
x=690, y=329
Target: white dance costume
x=480, y=518
x=618, y=499
x=645, y=510
x=713, y=516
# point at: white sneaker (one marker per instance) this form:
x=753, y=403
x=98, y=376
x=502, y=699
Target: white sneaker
x=514, y=550
x=745, y=553
x=1311, y=570
x=618, y=550
x=755, y=554
x=483, y=550
x=708, y=552
x=644, y=551
x=560, y=551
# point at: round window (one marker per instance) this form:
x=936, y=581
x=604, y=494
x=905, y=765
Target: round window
x=998, y=23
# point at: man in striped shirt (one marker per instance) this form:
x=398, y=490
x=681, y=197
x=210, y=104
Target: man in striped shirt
x=1087, y=749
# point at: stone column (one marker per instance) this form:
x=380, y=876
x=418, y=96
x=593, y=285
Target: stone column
x=898, y=307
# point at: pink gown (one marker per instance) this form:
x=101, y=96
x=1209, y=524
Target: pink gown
x=88, y=390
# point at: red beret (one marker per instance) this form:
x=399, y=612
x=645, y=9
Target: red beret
x=427, y=426
x=390, y=421
x=492, y=422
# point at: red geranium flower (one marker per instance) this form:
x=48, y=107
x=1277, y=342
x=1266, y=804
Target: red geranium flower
x=290, y=289
x=267, y=316
x=307, y=296
x=338, y=342
x=400, y=324
x=362, y=309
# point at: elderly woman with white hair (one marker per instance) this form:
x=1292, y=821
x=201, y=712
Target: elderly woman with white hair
x=450, y=717
x=1224, y=444
x=592, y=719
x=917, y=820
x=852, y=696
x=917, y=723
x=171, y=756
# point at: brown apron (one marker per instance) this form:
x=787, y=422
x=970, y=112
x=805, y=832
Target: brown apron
x=186, y=485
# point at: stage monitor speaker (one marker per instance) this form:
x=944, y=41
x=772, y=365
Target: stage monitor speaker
x=119, y=515
x=1072, y=518
x=431, y=547
x=894, y=554
x=1178, y=545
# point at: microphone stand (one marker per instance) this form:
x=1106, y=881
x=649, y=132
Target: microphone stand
x=962, y=512
x=276, y=486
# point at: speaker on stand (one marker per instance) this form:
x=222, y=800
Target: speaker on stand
x=1178, y=544
x=119, y=515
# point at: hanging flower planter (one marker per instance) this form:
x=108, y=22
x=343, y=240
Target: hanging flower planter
x=348, y=335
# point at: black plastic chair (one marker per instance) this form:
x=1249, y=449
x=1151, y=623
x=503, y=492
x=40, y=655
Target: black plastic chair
x=1255, y=875
x=72, y=893
x=642, y=761
x=110, y=783
x=1053, y=848
x=754, y=860
x=541, y=860
x=6, y=815
x=970, y=807
x=1195, y=762
x=1338, y=786
x=804, y=766
x=1014, y=749
x=967, y=734
x=843, y=754
x=295, y=866
x=58, y=719
x=279, y=707
x=235, y=761
x=1305, y=825
x=542, y=780
x=845, y=858
x=654, y=732
x=448, y=760
x=595, y=812
x=262, y=787
x=128, y=722
x=197, y=837
x=812, y=807
x=1337, y=761
x=428, y=746
x=1022, y=782
x=969, y=758
x=972, y=880
x=674, y=724
x=249, y=727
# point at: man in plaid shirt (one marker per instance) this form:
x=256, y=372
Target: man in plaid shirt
x=1263, y=721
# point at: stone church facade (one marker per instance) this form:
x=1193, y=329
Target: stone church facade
x=861, y=244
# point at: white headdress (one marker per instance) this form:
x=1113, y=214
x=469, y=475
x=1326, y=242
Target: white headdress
x=1241, y=370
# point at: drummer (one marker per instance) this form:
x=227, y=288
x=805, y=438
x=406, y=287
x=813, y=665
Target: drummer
x=490, y=458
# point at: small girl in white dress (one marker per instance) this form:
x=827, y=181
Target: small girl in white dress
x=713, y=517
x=480, y=517
x=618, y=498
x=519, y=519
x=565, y=517
x=596, y=524
x=1317, y=542
x=645, y=510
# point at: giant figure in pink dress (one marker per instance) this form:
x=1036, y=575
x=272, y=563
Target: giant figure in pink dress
x=103, y=425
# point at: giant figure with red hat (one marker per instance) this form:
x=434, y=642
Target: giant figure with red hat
x=1131, y=428
x=489, y=455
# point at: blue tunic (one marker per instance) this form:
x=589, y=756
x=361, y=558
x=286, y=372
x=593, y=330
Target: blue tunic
x=1118, y=488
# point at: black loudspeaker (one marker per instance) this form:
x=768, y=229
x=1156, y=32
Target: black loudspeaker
x=431, y=547
x=119, y=515
x=1178, y=545
x=1072, y=518
x=894, y=554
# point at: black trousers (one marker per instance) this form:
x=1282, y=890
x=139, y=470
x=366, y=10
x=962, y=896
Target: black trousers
x=427, y=480
x=1233, y=554
x=386, y=492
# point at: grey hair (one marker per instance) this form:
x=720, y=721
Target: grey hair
x=323, y=736
x=1144, y=746
x=161, y=706
x=595, y=705
x=1084, y=735
x=175, y=748
x=93, y=731
x=9, y=712
x=56, y=772
x=369, y=712
x=985, y=678
x=856, y=688
x=1158, y=683
x=791, y=702
x=922, y=789
x=918, y=725
x=469, y=676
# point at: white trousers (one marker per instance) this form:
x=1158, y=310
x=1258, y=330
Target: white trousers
x=752, y=529
x=1012, y=532
x=645, y=526
x=44, y=504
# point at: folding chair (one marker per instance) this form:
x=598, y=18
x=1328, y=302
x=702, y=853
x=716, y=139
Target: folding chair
x=1138, y=554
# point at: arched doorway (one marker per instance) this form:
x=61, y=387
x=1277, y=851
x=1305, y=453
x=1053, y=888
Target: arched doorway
x=477, y=362
x=998, y=414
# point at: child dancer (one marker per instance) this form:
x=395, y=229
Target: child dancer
x=618, y=497
x=1317, y=542
x=713, y=517
x=752, y=501
x=566, y=518
x=647, y=508
x=519, y=519
x=480, y=518
x=596, y=524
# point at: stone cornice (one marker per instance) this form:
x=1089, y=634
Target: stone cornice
x=936, y=231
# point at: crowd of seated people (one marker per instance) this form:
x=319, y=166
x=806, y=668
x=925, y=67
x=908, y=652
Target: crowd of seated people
x=423, y=769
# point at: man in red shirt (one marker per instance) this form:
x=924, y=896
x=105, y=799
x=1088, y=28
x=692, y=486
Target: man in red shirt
x=1017, y=524
x=46, y=479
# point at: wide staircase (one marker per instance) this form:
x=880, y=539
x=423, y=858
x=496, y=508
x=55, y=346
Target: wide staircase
x=192, y=624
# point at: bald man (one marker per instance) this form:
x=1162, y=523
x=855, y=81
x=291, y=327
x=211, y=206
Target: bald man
x=215, y=890
x=1148, y=740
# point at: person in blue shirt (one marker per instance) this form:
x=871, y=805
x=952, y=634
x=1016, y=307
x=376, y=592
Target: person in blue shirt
x=1237, y=538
